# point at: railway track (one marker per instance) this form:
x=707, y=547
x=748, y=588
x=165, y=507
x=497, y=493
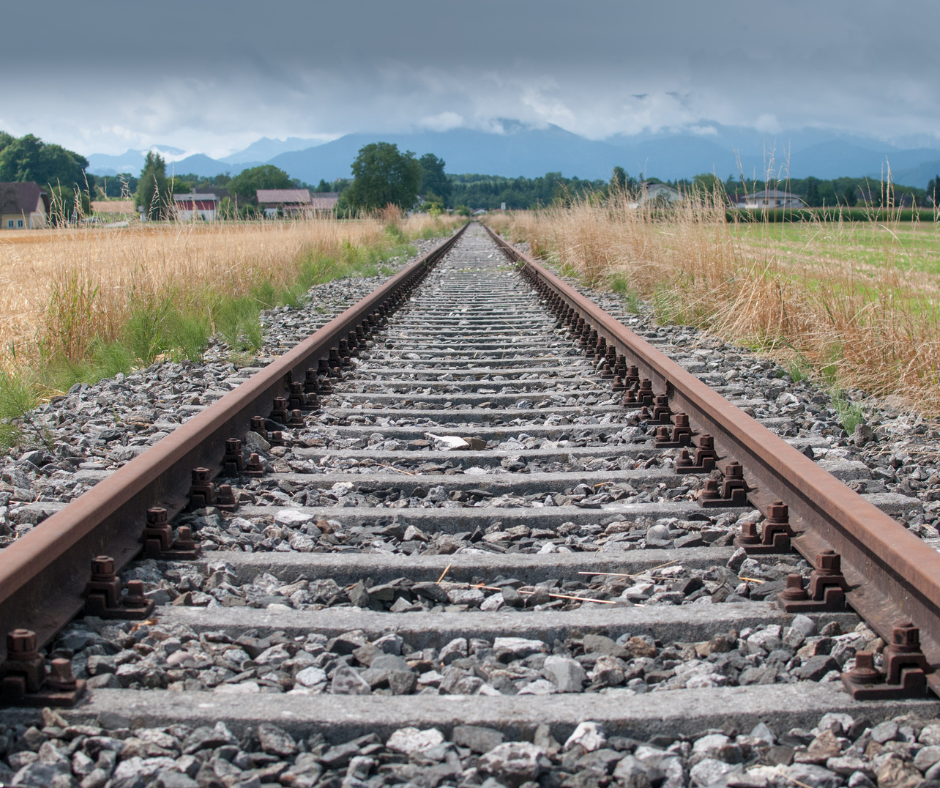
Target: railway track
x=471, y=529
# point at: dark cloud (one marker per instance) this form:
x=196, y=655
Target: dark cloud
x=213, y=76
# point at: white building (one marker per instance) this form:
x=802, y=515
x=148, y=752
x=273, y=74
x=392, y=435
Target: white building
x=773, y=198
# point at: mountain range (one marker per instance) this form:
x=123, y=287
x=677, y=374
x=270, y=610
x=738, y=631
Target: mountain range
x=521, y=150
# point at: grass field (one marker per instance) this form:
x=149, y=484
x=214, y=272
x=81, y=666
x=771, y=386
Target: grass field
x=80, y=304
x=854, y=305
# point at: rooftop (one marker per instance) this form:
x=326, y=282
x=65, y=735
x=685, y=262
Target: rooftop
x=285, y=196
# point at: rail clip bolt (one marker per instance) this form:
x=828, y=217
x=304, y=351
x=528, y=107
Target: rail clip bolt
x=279, y=411
x=60, y=677
x=103, y=597
x=794, y=592
x=158, y=536
x=202, y=491
x=225, y=498
x=257, y=425
x=134, y=597
x=709, y=491
x=905, y=669
x=865, y=671
x=776, y=534
x=826, y=590
x=22, y=645
x=254, y=468
x=184, y=540
x=23, y=677
x=311, y=385
x=748, y=536
x=276, y=438
x=618, y=384
x=102, y=569
x=233, y=461
x=296, y=419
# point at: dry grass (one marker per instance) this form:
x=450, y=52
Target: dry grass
x=62, y=289
x=857, y=317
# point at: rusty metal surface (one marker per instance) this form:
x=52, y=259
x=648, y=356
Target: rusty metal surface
x=892, y=574
x=42, y=575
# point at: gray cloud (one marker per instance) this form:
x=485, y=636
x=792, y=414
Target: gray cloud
x=214, y=76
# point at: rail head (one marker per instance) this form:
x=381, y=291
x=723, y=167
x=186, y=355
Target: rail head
x=894, y=575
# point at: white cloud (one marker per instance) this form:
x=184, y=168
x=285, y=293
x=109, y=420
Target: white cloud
x=443, y=121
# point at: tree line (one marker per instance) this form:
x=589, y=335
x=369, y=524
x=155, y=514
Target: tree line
x=382, y=174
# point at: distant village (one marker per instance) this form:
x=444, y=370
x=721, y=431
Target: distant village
x=27, y=206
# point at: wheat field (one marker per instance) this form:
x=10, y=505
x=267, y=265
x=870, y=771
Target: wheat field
x=75, y=285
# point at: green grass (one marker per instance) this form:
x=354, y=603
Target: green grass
x=850, y=414
x=631, y=299
x=907, y=247
x=176, y=328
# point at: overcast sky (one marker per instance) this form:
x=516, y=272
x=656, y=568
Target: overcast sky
x=213, y=76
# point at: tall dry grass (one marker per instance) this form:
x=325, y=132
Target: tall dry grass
x=874, y=327
x=62, y=290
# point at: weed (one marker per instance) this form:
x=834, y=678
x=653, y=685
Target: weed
x=850, y=414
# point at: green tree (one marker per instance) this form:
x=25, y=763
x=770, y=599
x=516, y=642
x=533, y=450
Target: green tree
x=850, y=195
x=246, y=184
x=30, y=159
x=5, y=139
x=618, y=179
x=812, y=192
x=153, y=189
x=382, y=175
x=933, y=190
x=434, y=183
x=707, y=182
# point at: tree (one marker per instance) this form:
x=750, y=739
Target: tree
x=933, y=190
x=707, y=182
x=434, y=183
x=618, y=179
x=381, y=176
x=153, y=190
x=850, y=196
x=813, y=199
x=30, y=159
x=246, y=184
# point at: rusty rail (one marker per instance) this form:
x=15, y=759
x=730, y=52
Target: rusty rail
x=43, y=575
x=892, y=575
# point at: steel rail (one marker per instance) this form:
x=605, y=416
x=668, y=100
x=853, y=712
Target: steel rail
x=43, y=574
x=893, y=575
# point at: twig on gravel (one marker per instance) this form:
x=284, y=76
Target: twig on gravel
x=446, y=570
x=483, y=587
x=637, y=574
x=393, y=468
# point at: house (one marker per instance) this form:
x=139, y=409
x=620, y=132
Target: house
x=324, y=202
x=23, y=206
x=661, y=192
x=773, y=198
x=289, y=202
x=189, y=206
